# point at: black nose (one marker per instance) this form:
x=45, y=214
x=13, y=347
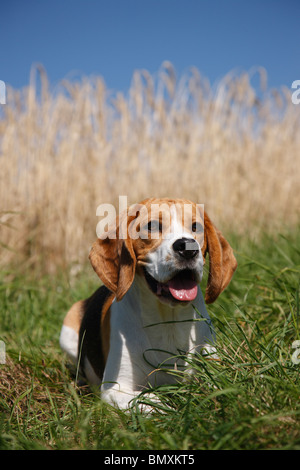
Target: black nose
x=186, y=247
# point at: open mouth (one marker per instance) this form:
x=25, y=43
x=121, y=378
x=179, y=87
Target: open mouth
x=182, y=287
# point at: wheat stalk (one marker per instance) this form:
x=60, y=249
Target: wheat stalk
x=64, y=152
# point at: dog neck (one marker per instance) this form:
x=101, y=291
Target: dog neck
x=183, y=327
x=151, y=310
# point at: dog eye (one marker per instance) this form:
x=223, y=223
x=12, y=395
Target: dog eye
x=154, y=226
x=197, y=227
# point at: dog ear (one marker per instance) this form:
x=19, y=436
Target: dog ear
x=222, y=262
x=114, y=261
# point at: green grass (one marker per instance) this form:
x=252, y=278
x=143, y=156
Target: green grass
x=249, y=399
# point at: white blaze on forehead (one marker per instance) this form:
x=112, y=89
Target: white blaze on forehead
x=177, y=218
x=161, y=261
x=176, y=224
x=182, y=219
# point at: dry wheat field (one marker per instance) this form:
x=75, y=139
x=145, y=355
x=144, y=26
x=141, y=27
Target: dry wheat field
x=232, y=146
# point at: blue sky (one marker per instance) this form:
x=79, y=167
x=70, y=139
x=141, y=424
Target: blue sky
x=112, y=38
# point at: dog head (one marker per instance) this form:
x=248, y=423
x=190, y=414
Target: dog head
x=165, y=241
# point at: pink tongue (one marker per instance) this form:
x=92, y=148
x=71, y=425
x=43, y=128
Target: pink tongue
x=183, y=289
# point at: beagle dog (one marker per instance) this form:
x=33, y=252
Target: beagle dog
x=149, y=315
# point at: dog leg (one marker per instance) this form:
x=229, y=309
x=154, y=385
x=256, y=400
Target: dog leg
x=68, y=341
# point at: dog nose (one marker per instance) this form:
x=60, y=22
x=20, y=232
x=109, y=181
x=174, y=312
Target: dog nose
x=186, y=247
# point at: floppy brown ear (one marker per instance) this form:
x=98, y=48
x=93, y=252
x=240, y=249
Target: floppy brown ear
x=222, y=262
x=114, y=261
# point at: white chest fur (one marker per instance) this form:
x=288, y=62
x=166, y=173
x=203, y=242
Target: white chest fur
x=149, y=338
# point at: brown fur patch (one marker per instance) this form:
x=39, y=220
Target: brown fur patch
x=74, y=316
